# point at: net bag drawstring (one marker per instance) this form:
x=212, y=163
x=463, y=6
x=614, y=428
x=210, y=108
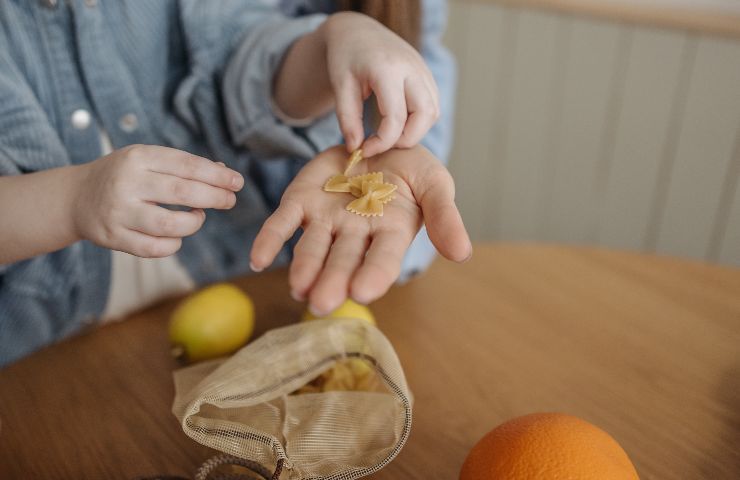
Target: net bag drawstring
x=205, y=470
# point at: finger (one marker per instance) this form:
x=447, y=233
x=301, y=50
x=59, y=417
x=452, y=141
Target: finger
x=277, y=230
x=423, y=113
x=393, y=110
x=381, y=266
x=349, y=113
x=192, y=167
x=159, y=222
x=147, y=246
x=442, y=218
x=173, y=190
x=309, y=256
x=332, y=286
x=431, y=84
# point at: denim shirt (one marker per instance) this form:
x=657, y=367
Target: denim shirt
x=189, y=74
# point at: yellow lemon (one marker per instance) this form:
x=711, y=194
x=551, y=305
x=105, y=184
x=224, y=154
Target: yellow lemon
x=213, y=322
x=349, y=309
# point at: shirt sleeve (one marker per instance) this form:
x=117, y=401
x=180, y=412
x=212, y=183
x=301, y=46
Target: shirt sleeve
x=28, y=142
x=234, y=48
x=251, y=114
x=442, y=65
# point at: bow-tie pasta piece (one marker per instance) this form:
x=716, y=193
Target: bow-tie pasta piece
x=369, y=188
x=366, y=206
x=355, y=183
x=383, y=192
x=370, y=204
x=337, y=184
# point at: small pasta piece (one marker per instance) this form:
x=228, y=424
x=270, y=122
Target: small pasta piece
x=355, y=183
x=337, y=184
x=366, y=207
x=354, y=159
x=369, y=189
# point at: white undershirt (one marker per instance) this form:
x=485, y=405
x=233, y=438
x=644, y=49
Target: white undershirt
x=137, y=282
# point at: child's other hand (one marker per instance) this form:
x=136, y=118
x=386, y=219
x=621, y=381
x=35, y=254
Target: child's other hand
x=364, y=57
x=118, y=198
x=341, y=253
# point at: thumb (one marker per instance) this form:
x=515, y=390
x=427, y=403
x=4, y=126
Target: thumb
x=442, y=218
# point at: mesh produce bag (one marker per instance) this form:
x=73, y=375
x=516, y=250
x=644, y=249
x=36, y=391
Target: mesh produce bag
x=264, y=404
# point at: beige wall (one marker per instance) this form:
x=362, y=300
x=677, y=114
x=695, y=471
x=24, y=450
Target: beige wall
x=577, y=130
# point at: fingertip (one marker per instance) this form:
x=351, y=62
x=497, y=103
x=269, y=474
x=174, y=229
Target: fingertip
x=368, y=286
x=362, y=294
x=230, y=201
x=321, y=308
x=316, y=312
x=201, y=214
x=299, y=286
x=370, y=148
x=262, y=254
x=254, y=267
x=352, y=139
x=447, y=232
x=463, y=253
x=237, y=182
x=457, y=247
x=258, y=258
x=323, y=302
x=167, y=247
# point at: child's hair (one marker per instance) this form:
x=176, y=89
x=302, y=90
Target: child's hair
x=401, y=16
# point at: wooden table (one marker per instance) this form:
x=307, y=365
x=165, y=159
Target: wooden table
x=647, y=348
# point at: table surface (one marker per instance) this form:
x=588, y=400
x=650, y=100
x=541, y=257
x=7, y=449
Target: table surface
x=647, y=348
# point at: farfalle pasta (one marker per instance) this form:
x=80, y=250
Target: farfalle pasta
x=370, y=189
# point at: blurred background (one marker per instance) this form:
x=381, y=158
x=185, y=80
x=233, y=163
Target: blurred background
x=602, y=122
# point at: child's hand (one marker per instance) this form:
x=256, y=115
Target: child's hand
x=364, y=57
x=341, y=253
x=116, y=205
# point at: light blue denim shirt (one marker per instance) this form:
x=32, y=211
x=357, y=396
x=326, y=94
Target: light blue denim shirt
x=189, y=74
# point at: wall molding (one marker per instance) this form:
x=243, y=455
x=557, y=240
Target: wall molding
x=711, y=18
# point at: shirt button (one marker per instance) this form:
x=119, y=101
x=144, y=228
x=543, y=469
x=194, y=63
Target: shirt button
x=81, y=119
x=91, y=3
x=128, y=123
x=49, y=3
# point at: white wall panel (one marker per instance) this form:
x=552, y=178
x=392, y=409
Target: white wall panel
x=479, y=106
x=592, y=59
x=577, y=130
x=705, y=149
x=648, y=103
x=531, y=113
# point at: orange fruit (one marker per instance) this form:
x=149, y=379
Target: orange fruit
x=547, y=446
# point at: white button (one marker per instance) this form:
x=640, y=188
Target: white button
x=81, y=119
x=91, y=3
x=128, y=123
x=49, y=3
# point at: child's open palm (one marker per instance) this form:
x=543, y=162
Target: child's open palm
x=342, y=254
